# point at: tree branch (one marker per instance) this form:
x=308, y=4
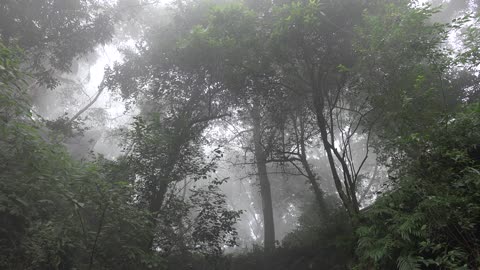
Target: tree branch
x=87, y=106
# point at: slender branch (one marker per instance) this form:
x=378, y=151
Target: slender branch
x=287, y=159
x=87, y=106
x=208, y=118
x=299, y=169
x=369, y=186
x=85, y=239
x=240, y=133
x=367, y=145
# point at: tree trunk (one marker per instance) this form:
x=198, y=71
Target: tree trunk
x=312, y=178
x=265, y=192
x=154, y=206
x=158, y=197
x=319, y=195
x=347, y=194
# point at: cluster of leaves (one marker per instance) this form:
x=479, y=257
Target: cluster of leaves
x=430, y=218
x=54, y=33
x=426, y=134
x=65, y=127
x=13, y=101
x=470, y=56
x=214, y=224
x=331, y=235
x=200, y=224
x=403, y=63
x=159, y=160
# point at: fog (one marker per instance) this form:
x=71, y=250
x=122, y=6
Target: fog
x=211, y=106
x=110, y=113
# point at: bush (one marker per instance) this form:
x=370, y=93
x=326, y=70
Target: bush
x=55, y=212
x=430, y=218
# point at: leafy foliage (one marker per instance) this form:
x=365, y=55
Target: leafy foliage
x=54, y=33
x=57, y=213
x=296, y=75
x=13, y=99
x=430, y=217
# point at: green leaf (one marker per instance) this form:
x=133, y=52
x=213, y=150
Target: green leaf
x=408, y=263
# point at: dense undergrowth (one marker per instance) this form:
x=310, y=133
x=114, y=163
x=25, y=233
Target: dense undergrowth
x=429, y=219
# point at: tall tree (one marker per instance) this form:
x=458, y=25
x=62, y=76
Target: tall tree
x=165, y=144
x=227, y=41
x=313, y=47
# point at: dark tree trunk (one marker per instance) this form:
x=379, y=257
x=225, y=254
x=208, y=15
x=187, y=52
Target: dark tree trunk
x=154, y=206
x=157, y=201
x=265, y=192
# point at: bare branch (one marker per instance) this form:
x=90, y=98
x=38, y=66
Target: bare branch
x=100, y=90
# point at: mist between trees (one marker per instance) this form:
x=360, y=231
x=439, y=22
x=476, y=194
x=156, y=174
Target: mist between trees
x=249, y=134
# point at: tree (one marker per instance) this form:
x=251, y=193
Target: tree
x=177, y=105
x=425, y=95
x=411, y=90
x=247, y=92
x=305, y=52
x=313, y=50
x=54, y=33
x=299, y=132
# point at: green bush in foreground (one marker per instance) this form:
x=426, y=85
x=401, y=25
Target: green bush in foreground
x=430, y=217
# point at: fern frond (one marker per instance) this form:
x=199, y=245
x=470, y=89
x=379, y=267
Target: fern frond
x=408, y=263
